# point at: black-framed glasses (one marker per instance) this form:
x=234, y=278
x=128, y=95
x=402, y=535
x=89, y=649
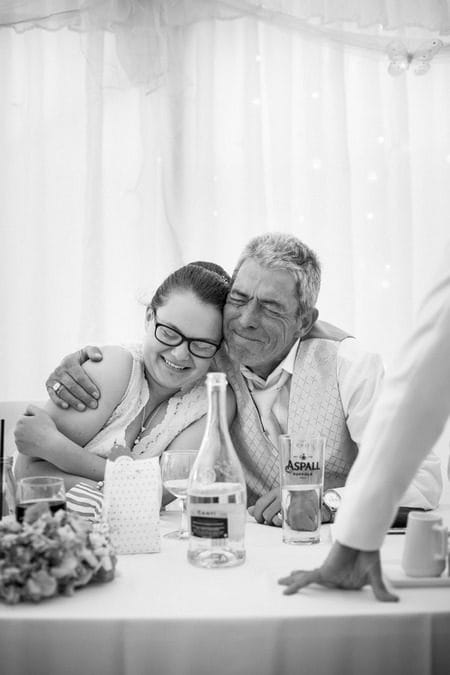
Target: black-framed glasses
x=171, y=337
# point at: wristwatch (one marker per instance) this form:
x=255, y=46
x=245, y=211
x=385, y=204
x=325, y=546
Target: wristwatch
x=331, y=500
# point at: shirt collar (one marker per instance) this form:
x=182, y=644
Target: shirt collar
x=287, y=365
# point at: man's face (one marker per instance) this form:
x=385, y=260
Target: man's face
x=261, y=321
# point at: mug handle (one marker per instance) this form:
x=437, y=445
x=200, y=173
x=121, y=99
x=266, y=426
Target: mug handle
x=442, y=533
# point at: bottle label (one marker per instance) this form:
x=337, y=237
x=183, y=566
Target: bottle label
x=225, y=522
x=209, y=528
x=217, y=511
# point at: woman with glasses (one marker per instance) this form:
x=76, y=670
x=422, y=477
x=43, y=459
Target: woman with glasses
x=153, y=394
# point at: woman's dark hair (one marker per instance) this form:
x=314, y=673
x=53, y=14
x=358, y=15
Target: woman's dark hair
x=208, y=281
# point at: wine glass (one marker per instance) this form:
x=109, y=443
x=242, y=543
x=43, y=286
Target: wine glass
x=175, y=469
x=40, y=489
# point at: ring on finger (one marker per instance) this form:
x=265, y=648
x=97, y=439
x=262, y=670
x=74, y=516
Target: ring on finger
x=56, y=387
x=277, y=518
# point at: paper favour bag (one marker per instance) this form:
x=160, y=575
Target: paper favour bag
x=132, y=503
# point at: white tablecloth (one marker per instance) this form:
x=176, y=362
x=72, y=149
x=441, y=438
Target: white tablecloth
x=162, y=616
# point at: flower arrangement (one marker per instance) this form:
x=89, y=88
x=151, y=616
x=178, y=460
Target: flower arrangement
x=51, y=554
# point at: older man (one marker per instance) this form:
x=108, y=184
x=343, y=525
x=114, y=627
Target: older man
x=290, y=373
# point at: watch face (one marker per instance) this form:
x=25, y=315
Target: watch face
x=332, y=499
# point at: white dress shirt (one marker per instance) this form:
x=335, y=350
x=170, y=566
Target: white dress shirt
x=359, y=376
x=408, y=419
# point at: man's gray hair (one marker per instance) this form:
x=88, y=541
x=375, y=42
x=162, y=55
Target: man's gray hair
x=280, y=251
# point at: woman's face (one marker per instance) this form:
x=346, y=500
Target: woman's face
x=173, y=367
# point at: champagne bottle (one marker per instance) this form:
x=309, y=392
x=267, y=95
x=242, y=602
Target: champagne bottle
x=217, y=495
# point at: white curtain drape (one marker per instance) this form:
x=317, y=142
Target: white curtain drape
x=130, y=145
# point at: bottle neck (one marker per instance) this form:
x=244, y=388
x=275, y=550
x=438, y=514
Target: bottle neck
x=217, y=406
x=217, y=460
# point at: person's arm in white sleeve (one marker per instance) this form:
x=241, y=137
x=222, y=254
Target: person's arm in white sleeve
x=360, y=377
x=408, y=419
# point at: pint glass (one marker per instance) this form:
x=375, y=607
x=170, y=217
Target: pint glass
x=301, y=481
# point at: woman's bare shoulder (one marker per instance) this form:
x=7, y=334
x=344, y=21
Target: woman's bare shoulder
x=111, y=375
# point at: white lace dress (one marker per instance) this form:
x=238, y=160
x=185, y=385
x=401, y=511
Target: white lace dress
x=183, y=409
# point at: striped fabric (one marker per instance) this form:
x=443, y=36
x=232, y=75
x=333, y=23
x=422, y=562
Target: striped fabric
x=85, y=500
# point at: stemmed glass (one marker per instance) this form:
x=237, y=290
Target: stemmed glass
x=176, y=466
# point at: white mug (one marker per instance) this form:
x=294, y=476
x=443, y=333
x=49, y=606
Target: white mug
x=425, y=549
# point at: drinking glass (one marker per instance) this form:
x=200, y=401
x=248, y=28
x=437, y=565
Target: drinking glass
x=7, y=487
x=302, y=473
x=38, y=489
x=175, y=469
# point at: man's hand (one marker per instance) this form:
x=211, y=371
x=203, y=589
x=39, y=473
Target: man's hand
x=346, y=568
x=69, y=385
x=301, y=513
x=34, y=432
x=304, y=511
x=267, y=509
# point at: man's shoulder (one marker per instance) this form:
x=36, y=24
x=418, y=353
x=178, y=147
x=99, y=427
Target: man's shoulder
x=322, y=330
x=348, y=348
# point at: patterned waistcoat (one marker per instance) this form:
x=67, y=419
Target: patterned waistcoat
x=315, y=409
